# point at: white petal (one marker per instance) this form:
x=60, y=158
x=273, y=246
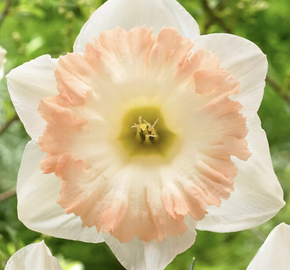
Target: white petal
x=258, y=195
x=275, y=252
x=139, y=255
x=37, y=208
x=2, y=61
x=33, y=257
x=137, y=13
x=245, y=61
x=27, y=85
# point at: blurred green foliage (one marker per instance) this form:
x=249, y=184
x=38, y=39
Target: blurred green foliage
x=35, y=27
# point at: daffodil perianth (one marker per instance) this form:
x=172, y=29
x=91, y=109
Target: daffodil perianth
x=35, y=256
x=275, y=252
x=2, y=61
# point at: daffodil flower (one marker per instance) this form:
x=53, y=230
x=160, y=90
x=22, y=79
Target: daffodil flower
x=33, y=257
x=275, y=252
x=2, y=61
x=144, y=133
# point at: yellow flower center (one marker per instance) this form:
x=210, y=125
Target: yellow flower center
x=149, y=136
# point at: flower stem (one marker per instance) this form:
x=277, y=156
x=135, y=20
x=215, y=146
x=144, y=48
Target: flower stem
x=191, y=267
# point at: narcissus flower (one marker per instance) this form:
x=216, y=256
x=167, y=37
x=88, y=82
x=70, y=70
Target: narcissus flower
x=275, y=252
x=143, y=134
x=33, y=257
x=2, y=61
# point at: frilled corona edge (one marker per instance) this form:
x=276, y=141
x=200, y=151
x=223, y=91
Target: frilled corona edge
x=142, y=195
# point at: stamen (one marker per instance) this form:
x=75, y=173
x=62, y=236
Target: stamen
x=145, y=130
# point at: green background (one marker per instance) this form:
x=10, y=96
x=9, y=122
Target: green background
x=35, y=27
